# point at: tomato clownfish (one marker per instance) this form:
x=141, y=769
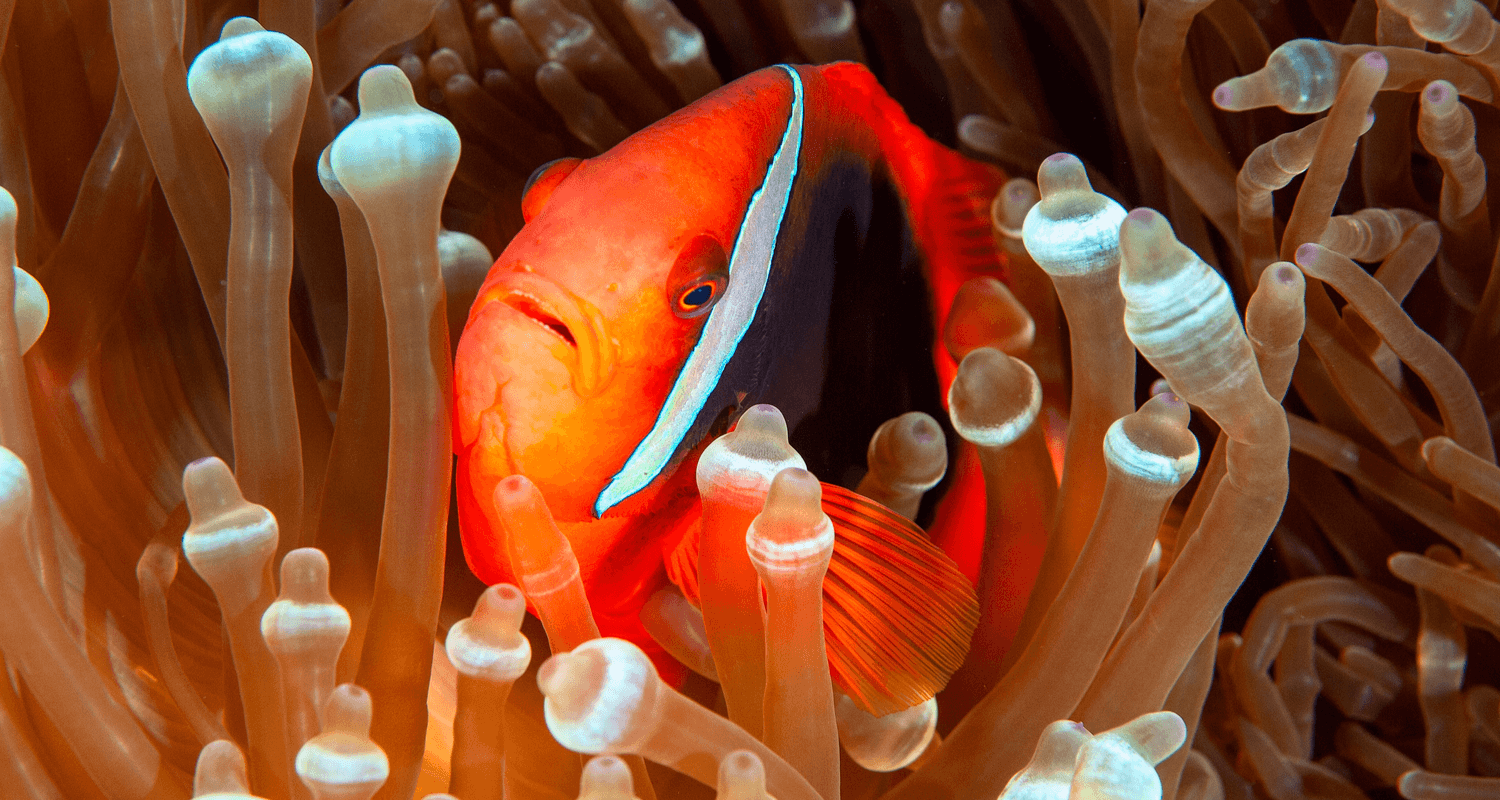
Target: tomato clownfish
x=791, y=239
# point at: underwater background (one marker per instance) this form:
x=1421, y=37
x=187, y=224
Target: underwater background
x=1355, y=657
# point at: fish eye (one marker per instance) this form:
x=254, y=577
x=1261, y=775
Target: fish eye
x=543, y=180
x=695, y=299
x=698, y=278
x=698, y=295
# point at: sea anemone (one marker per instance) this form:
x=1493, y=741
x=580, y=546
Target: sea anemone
x=228, y=332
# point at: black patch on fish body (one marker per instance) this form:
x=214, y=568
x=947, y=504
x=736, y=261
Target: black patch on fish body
x=842, y=341
x=878, y=344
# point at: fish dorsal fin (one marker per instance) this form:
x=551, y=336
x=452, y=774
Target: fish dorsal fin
x=897, y=612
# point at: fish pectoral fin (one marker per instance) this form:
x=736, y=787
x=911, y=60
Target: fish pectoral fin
x=898, y=614
x=682, y=562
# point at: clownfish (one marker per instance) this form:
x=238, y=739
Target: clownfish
x=791, y=238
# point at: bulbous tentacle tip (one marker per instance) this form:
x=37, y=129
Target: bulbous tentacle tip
x=742, y=776
x=249, y=81
x=488, y=651
x=596, y=693
x=1154, y=443
x=1439, y=95
x=1286, y=275
x=792, y=533
x=909, y=452
x=1143, y=233
x=540, y=555
x=1153, y=736
x=1435, y=446
x=1057, y=751
x=1149, y=249
x=220, y=770
x=342, y=760
x=1072, y=230
x=239, y=26
x=1107, y=771
x=889, y=742
x=741, y=464
x=210, y=489
x=516, y=492
x=305, y=624
x=348, y=710
x=1009, y=208
x=762, y=420
x=158, y=562
x=229, y=540
x=395, y=157
x=502, y=606
x=1021, y=191
x=994, y=398
x=304, y=576
x=1168, y=409
x=489, y=643
x=385, y=89
x=564, y=679
x=1060, y=173
x=918, y=428
x=795, y=499
x=985, y=313
x=606, y=777
x=1224, y=96
x=1308, y=255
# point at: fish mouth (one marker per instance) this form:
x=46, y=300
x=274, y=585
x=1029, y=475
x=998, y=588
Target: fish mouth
x=533, y=309
x=572, y=319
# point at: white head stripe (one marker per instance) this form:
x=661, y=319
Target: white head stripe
x=749, y=269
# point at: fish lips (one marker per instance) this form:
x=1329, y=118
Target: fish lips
x=572, y=319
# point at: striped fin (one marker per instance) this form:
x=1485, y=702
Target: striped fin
x=897, y=613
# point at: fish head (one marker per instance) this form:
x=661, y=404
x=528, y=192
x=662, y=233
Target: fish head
x=585, y=321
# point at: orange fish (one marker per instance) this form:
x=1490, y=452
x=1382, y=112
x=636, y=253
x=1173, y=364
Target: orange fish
x=788, y=239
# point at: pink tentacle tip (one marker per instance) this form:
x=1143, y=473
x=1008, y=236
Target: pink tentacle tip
x=1374, y=60
x=1170, y=399
x=1286, y=274
x=1438, y=92
x=1224, y=97
x=514, y=487
x=1308, y=253
x=925, y=430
